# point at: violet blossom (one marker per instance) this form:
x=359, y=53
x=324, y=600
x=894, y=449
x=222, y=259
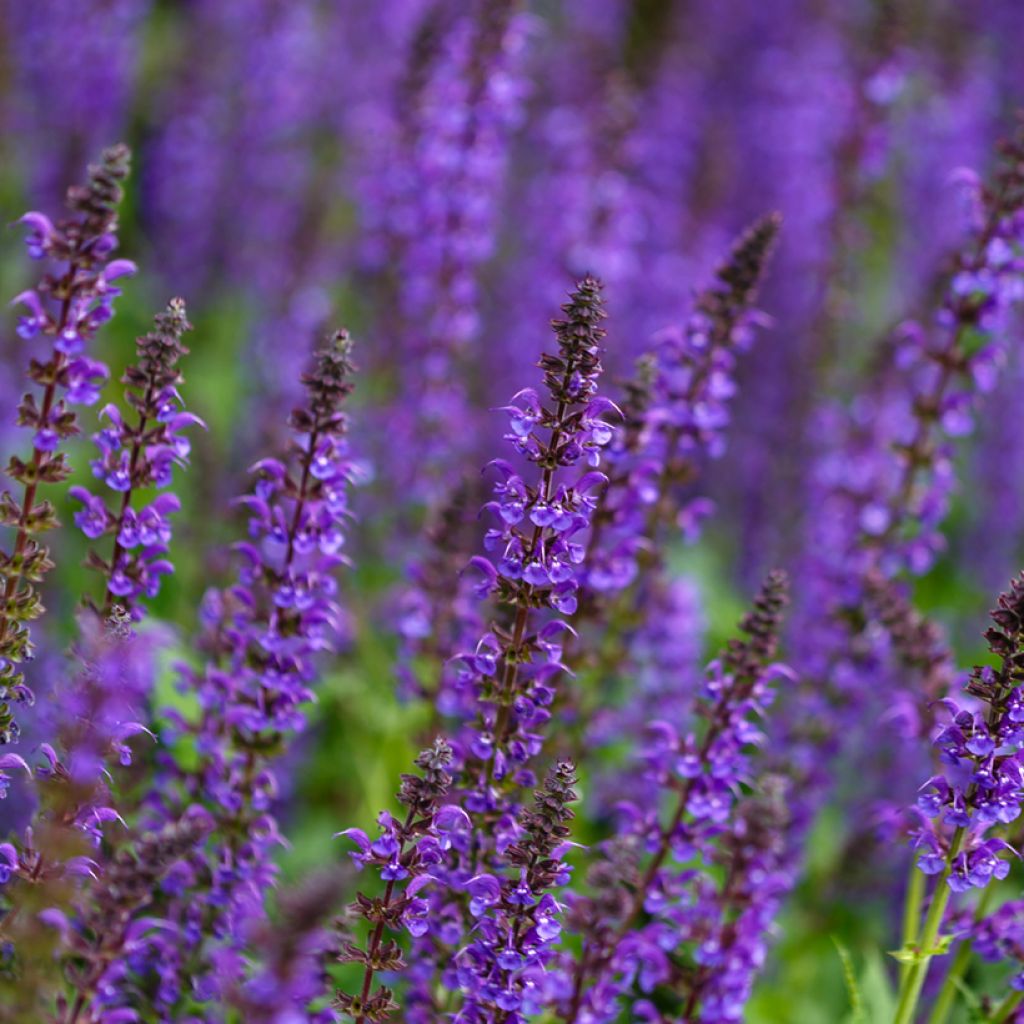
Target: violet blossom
x=508, y=678
x=964, y=810
x=431, y=206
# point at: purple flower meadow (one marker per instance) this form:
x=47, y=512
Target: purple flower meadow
x=413, y=691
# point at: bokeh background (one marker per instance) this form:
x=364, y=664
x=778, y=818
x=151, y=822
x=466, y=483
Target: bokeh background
x=304, y=164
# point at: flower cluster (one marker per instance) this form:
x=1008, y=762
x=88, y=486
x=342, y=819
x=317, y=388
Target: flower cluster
x=982, y=785
x=504, y=969
x=1000, y=937
x=96, y=716
x=678, y=416
x=731, y=918
x=941, y=371
x=403, y=854
x=137, y=456
x=504, y=685
x=879, y=488
x=537, y=546
x=671, y=904
x=265, y=635
x=964, y=811
x=103, y=939
x=675, y=415
x=441, y=176
x=68, y=306
x=282, y=611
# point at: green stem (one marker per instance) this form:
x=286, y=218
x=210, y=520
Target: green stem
x=1006, y=1007
x=950, y=987
x=912, y=910
x=913, y=980
x=948, y=993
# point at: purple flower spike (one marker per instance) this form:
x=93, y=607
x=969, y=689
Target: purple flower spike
x=137, y=456
x=430, y=196
x=68, y=306
x=403, y=855
x=964, y=810
x=266, y=633
x=722, y=816
x=983, y=787
x=503, y=682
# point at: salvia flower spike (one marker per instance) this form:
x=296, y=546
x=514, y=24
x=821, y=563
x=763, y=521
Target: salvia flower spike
x=140, y=451
x=266, y=633
x=403, y=854
x=503, y=683
x=677, y=415
x=667, y=902
x=109, y=930
x=965, y=810
x=94, y=719
x=71, y=301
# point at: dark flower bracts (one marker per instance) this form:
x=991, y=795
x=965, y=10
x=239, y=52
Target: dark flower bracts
x=504, y=969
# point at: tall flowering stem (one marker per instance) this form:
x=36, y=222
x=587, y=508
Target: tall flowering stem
x=441, y=179
x=980, y=791
x=265, y=634
x=403, y=854
x=108, y=930
x=703, y=770
x=139, y=455
x=502, y=685
x=539, y=523
x=901, y=525
x=97, y=713
x=100, y=703
x=676, y=412
x=882, y=482
x=505, y=967
x=679, y=404
x=68, y=305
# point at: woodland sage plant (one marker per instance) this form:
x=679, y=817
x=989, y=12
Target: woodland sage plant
x=582, y=644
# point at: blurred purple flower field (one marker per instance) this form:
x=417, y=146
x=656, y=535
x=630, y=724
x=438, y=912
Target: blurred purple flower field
x=502, y=503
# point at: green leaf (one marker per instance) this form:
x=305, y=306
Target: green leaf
x=911, y=955
x=970, y=997
x=852, y=987
x=876, y=987
x=907, y=955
